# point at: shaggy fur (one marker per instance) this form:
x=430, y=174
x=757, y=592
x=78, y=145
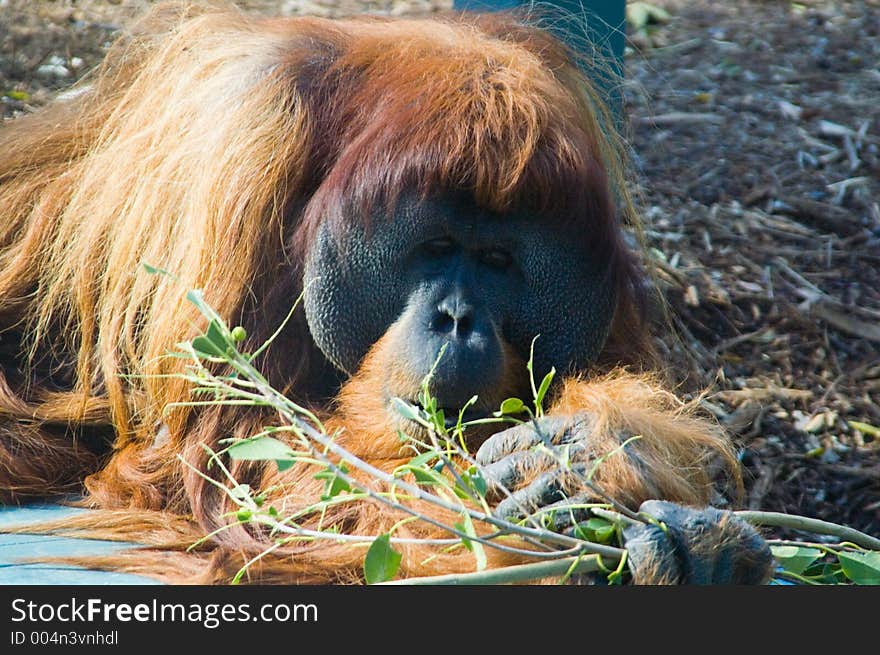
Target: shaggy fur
x=211, y=144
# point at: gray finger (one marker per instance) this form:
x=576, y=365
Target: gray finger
x=509, y=472
x=521, y=437
x=545, y=490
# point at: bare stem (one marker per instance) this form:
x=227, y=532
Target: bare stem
x=513, y=574
x=816, y=526
x=282, y=404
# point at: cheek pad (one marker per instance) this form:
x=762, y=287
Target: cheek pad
x=351, y=294
x=569, y=305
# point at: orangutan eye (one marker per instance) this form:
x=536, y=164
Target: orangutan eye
x=496, y=258
x=439, y=247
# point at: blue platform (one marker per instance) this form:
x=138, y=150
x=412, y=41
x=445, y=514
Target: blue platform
x=14, y=548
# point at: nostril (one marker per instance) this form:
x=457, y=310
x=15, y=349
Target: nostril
x=452, y=316
x=460, y=324
x=442, y=322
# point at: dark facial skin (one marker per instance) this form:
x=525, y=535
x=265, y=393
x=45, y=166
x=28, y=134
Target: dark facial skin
x=443, y=270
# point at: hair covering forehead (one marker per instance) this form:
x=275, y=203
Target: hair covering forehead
x=442, y=106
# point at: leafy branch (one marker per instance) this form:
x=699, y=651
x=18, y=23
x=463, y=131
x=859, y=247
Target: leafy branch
x=443, y=474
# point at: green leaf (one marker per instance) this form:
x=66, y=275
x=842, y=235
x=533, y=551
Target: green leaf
x=240, y=491
x=264, y=448
x=476, y=546
x=595, y=529
x=382, y=561
x=334, y=484
x=545, y=385
x=205, y=347
x=427, y=402
x=335, y=487
x=475, y=480
x=407, y=411
x=427, y=476
x=423, y=459
x=474, y=484
x=826, y=573
x=217, y=334
x=862, y=568
x=795, y=559
x=511, y=406
x=215, y=342
x=467, y=543
x=602, y=528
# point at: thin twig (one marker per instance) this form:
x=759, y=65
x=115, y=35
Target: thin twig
x=512, y=574
x=280, y=401
x=817, y=526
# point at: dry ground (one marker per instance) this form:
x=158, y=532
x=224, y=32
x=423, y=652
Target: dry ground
x=755, y=129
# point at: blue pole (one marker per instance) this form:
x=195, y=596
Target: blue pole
x=602, y=23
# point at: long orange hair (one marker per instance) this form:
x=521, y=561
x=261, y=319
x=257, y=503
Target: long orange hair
x=211, y=144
